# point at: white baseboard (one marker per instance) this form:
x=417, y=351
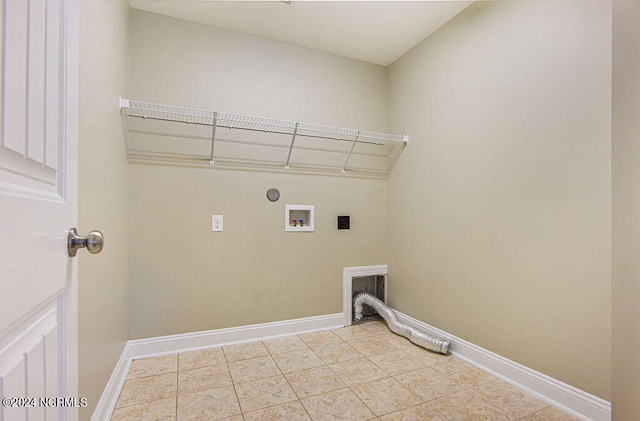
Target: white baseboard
x=111, y=392
x=233, y=335
x=142, y=348
x=570, y=399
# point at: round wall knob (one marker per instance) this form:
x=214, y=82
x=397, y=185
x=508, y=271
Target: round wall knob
x=94, y=241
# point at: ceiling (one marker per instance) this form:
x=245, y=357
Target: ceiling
x=377, y=32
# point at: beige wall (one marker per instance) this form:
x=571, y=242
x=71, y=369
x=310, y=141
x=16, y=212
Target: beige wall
x=181, y=63
x=500, y=207
x=103, y=325
x=185, y=278
x=626, y=210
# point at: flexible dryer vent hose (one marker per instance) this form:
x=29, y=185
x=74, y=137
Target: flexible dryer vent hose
x=419, y=338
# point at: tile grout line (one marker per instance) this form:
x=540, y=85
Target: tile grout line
x=281, y=373
x=287, y=380
x=177, y=382
x=350, y=387
x=235, y=391
x=342, y=341
x=233, y=383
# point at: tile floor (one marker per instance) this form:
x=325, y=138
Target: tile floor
x=360, y=372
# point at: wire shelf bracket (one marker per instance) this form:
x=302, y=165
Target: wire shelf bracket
x=293, y=139
x=353, y=145
x=213, y=136
x=376, y=152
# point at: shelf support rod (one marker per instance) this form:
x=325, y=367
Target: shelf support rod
x=295, y=132
x=213, y=136
x=344, y=168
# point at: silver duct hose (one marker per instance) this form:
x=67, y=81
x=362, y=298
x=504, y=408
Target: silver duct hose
x=419, y=338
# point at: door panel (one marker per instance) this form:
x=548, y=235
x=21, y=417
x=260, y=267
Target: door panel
x=31, y=133
x=29, y=364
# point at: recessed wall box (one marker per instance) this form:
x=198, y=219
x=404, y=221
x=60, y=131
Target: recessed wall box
x=374, y=285
x=298, y=218
x=343, y=222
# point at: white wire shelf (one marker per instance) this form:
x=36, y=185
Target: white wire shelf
x=152, y=135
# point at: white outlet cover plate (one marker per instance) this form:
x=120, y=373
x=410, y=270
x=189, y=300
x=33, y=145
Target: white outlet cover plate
x=216, y=223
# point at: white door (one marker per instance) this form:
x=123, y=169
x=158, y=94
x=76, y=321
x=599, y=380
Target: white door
x=38, y=204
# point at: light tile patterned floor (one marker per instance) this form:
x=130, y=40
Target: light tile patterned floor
x=360, y=372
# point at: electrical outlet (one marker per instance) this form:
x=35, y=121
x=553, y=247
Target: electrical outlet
x=216, y=223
